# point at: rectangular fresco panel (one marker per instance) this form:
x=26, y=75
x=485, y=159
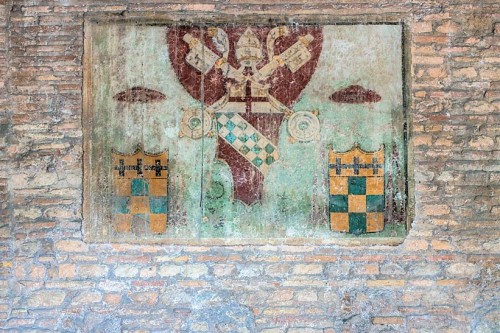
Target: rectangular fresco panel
x=244, y=131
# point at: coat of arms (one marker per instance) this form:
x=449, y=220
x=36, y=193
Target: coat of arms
x=357, y=201
x=247, y=92
x=140, y=192
x=244, y=113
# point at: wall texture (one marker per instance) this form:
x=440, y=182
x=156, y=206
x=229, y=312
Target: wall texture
x=443, y=278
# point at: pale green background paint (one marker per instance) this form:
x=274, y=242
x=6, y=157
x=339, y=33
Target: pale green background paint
x=295, y=200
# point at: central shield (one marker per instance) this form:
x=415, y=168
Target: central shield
x=249, y=77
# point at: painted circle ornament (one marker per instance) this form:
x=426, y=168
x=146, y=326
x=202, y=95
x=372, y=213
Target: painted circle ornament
x=303, y=126
x=195, y=123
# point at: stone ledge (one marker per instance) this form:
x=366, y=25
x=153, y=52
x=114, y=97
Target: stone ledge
x=347, y=242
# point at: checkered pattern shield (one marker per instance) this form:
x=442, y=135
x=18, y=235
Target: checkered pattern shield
x=247, y=141
x=140, y=193
x=357, y=200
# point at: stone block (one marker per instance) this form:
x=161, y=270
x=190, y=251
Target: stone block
x=385, y=283
x=463, y=269
x=425, y=269
x=436, y=210
x=46, y=298
x=307, y=296
x=144, y=298
x=87, y=297
x=387, y=320
x=307, y=269
x=92, y=271
x=169, y=270
x=195, y=271
x=127, y=270
x=71, y=245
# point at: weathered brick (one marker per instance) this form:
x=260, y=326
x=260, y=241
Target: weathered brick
x=387, y=320
x=482, y=142
x=441, y=245
x=427, y=60
x=307, y=296
x=147, y=272
x=281, y=296
x=368, y=270
x=385, y=283
x=305, y=330
x=112, y=299
x=145, y=298
x=29, y=213
x=46, y=298
x=199, y=7
x=308, y=269
x=468, y=73
x=421, y=27
x=434, y=210
x=195, y=271
x=126, y=271
x=416, y=244
x=92, y=271
x=169, y=270
x=424, y=269
x=71, y=245
x=223, y=269
x=437, y=72
x=422, y=140
x=280, y=311
x=466, y=270
x=435, y=297
x=448, y=27
x=87, y=297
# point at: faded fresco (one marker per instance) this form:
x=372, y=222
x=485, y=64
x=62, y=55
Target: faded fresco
x=246, y=131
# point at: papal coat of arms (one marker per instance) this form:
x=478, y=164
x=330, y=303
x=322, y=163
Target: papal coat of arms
x=246, y=113
x=357, y=201
x=248, y=92
x=140, y=192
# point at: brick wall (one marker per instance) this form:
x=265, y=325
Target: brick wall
x=443, y=278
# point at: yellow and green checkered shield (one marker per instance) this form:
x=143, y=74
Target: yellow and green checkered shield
x=357, y=201
x=140, y=192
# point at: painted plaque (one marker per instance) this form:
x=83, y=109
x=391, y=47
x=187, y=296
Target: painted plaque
x=252, y=117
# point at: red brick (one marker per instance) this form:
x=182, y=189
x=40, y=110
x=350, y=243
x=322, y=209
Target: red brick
x=320, y=258
x=67, y=270
x=421, y=27
x=416, y=245
x=468, y=73
x=435, y=210
x=448, y=27
x=112, y=298
x=441, y=245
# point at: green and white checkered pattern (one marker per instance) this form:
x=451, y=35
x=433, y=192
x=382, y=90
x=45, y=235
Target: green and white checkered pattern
x=243, y=137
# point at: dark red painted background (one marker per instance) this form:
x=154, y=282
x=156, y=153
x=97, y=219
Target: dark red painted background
x=284, y=86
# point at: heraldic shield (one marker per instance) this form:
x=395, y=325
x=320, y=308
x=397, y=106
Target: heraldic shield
x=140, y=192
x=357, y=200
